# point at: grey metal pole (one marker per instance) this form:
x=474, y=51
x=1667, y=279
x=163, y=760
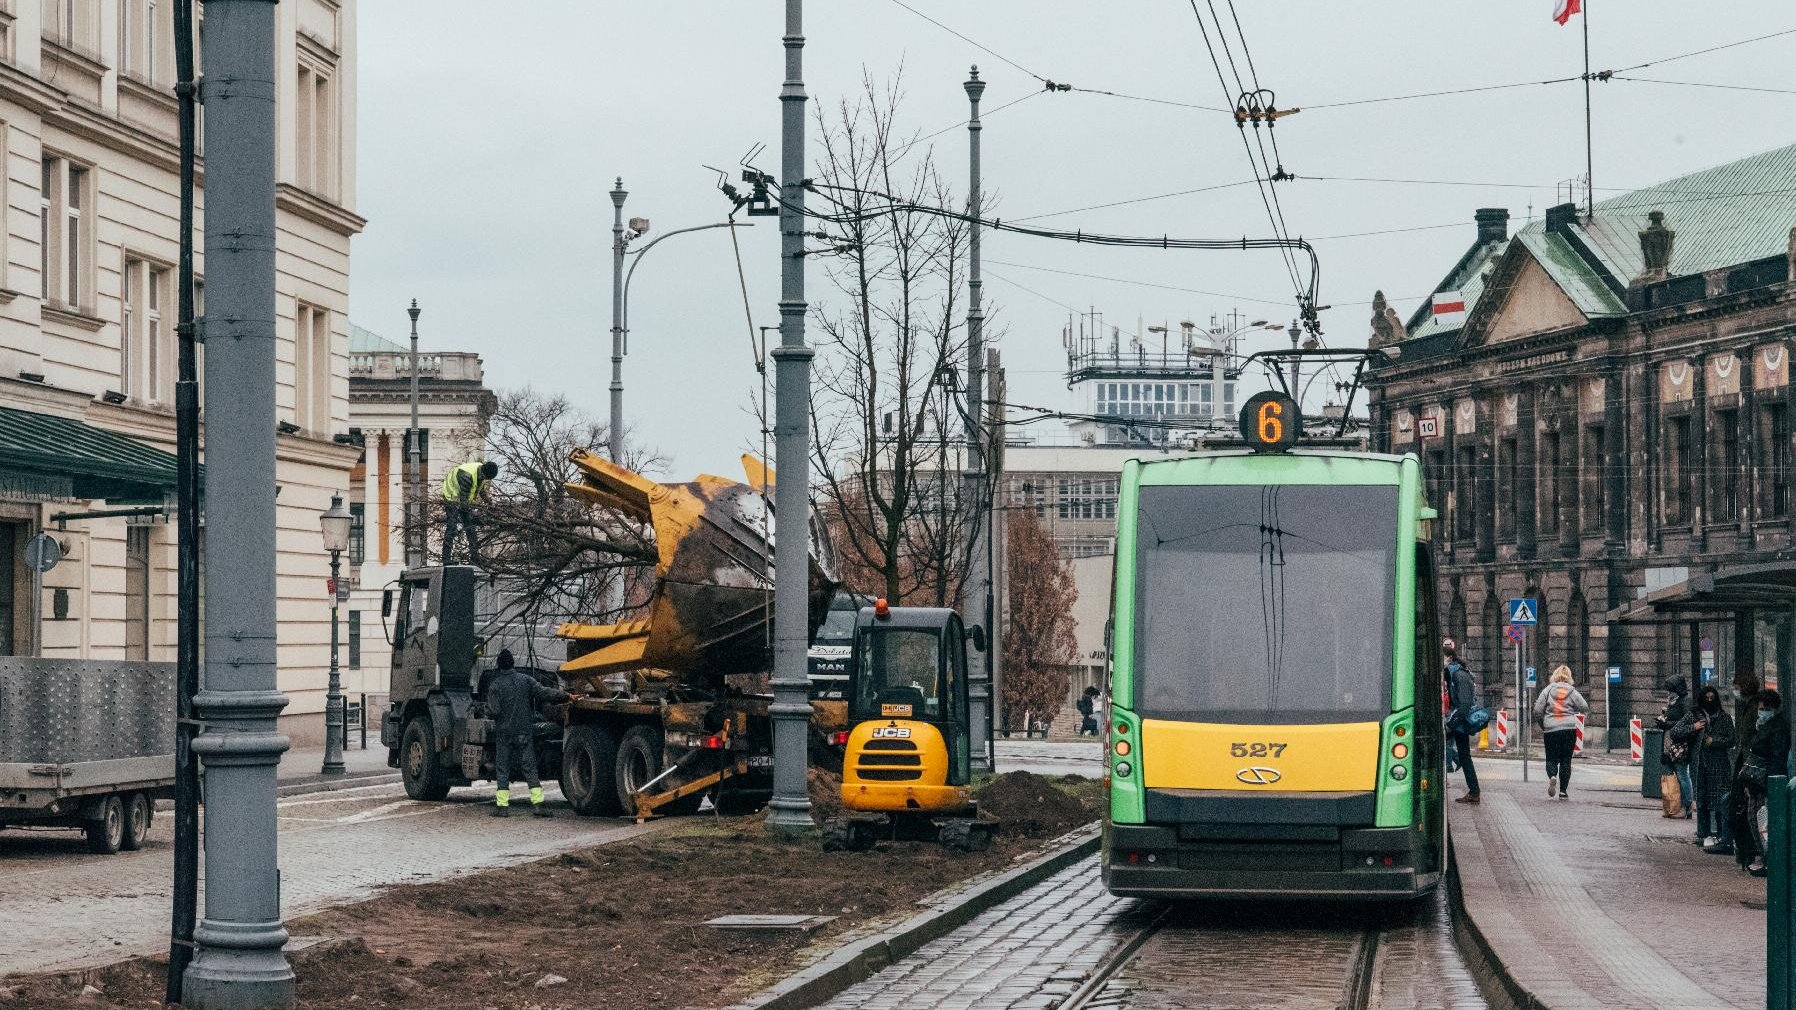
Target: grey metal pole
x=416, y=543
x=333, y=694
x=790, y=808
x=239, y=964
x=616, y=448
x=976, y=594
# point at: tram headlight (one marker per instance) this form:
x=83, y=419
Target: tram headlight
x=1122, y=748
x=1400, y=751
x=1399, y=772
x=1123, y=769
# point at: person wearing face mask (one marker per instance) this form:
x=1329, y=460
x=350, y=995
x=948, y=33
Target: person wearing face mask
x=1674, y=756
x=1708, y=731
x=1768, y=754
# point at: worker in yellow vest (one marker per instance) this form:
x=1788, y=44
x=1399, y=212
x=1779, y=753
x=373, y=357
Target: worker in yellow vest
x=461, y=486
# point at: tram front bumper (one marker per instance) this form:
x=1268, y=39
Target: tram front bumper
x=1152, y=861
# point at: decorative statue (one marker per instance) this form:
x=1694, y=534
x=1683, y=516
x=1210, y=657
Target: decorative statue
x=1656, y=242
x=1387, y=328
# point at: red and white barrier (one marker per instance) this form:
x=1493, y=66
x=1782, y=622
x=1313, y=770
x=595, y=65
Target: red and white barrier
x=1499, y=737
x=1578, y=740
x=1636, y=741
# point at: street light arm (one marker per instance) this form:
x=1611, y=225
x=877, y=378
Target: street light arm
x=639, y=253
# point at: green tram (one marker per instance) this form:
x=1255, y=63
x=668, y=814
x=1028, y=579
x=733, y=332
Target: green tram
x=1275, y=725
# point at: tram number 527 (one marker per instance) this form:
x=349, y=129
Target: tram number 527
x=1258, y=750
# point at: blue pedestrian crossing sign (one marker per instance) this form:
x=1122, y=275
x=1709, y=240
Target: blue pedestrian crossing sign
x=1523, y=610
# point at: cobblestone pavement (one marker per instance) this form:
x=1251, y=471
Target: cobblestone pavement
x=334, y=847
x=1034, y=951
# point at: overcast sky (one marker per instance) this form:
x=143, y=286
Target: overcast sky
x=487, y=143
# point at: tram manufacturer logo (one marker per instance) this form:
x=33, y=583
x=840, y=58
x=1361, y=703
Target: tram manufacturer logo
x=1258, y=775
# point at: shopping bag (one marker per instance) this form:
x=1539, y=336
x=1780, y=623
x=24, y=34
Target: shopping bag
x=1671, y=796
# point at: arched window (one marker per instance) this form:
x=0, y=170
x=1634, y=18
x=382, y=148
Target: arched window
x=1491, y=666
x=1577, y=638
x=1541, y=647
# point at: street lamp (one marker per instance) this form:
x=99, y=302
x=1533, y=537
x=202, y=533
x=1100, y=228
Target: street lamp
x=334, y=522
x=639, y=226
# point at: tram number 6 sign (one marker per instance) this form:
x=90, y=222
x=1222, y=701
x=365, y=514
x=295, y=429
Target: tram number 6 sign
x=1270, y=422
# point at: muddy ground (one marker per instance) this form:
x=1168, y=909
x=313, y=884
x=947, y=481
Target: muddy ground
x=622, y=924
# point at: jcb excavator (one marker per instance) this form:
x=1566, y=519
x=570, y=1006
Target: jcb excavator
x=907, y=772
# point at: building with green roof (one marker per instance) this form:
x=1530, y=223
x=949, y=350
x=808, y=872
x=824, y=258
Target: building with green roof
x=1608, y=429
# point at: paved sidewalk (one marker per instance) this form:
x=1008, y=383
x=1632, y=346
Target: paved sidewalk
x=1601, y=902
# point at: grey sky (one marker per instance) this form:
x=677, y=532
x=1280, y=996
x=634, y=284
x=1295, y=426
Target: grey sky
x=488, y=142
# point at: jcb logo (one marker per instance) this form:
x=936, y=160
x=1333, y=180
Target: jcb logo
x=891, y=733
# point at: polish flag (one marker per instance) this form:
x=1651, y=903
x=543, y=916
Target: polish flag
x=1449, y=306
x=1566, y=8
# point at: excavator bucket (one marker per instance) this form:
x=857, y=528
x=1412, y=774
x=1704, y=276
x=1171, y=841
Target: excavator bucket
x=711, y=609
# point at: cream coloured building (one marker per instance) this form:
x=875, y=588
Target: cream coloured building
x=88, y=243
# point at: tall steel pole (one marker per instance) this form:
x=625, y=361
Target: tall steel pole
x=335, y=711
x=616, y=448
x=1589, y=150
x=239, y=964
x=976, y=592
x=416, y=542
x=790, y=808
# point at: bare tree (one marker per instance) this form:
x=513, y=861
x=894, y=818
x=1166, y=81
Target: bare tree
x=887, y=412
x=1039, y=645
x=558, y=555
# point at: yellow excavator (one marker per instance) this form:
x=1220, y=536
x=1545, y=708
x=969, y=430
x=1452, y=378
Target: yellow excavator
x=907, y=770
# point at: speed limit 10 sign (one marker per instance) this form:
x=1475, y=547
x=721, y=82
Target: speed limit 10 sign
x=1270, y=422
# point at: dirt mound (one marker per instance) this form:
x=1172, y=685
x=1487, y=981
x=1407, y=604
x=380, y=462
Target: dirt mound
x=826, y=793
x=1032, y=806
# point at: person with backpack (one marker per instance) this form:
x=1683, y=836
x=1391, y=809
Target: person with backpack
x=1462, y=700
x=1088, y=707
x=1675, y=756
x=1557, y=710
x=1708, y=731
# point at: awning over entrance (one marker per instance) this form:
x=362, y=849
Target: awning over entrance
x=1770, y=585
x=44, y=456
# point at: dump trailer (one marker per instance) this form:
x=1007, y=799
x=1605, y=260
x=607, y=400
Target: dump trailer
x=87, y=744
x=667, y=707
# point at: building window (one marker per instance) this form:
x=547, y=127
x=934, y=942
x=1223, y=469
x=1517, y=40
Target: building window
x=1592, y=481
x=1776, y=433
x=147, y=362
x=1548, y=467
x=1438, y=481
x=1465, y=494
x=63, y=233
x=358, y=532
x=71, y=23
x=142, y=42
x=311, y=368
x=1509, y=473
x=316, y=142
x=1727, y=447
x=355, y=638
x=1086, y=498
x=1677, y=465
x=137, y=592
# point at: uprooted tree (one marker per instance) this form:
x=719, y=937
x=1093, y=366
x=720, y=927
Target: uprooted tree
x=556, y=554
x=888, y=411
x=1039, y=645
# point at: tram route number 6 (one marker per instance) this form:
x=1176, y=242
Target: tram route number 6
x=1258, y=750
x=1270, y=422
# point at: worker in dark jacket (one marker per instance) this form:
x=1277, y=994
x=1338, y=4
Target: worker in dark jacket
x=461, y=487
x=511, y=696
x=1768, y=754
x=1462, y=697
x=1708, y=731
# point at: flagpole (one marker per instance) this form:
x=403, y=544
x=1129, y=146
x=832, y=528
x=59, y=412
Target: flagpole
x=1589, y=170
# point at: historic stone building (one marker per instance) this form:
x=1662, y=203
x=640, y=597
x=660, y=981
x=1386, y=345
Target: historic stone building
x=1609, y=430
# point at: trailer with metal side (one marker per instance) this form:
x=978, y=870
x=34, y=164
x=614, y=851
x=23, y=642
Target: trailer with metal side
x=86, y=744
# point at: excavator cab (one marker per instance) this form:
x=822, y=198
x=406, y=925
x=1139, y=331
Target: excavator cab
x=907, y=770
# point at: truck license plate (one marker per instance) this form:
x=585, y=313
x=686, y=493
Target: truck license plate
x=760, y=761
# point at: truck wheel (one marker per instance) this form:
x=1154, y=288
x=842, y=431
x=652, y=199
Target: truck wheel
x=588, y=754
x=418, y=764
x=139, y=811
x=638, y=762
x=107, y=833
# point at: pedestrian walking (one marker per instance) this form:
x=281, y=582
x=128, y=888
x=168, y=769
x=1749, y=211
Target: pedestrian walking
x=1708, y=731
x=1768, y=754
x=1462, y=698
x=1087, y=705
x=511, y=696
x=1673, y=755
x=462, y=486
x=1557, y=710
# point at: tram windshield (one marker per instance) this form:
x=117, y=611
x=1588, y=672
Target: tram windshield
x=1265, y=604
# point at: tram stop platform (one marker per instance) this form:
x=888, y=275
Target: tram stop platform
x=1598, y=901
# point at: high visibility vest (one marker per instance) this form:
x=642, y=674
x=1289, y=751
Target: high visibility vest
x=451, y=488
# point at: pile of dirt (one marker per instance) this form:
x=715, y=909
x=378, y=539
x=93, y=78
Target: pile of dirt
x=617, y=925
x=826, y=793
x=1031, y=806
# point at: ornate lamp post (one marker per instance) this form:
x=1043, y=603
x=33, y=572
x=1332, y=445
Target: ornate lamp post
x=334, y=522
